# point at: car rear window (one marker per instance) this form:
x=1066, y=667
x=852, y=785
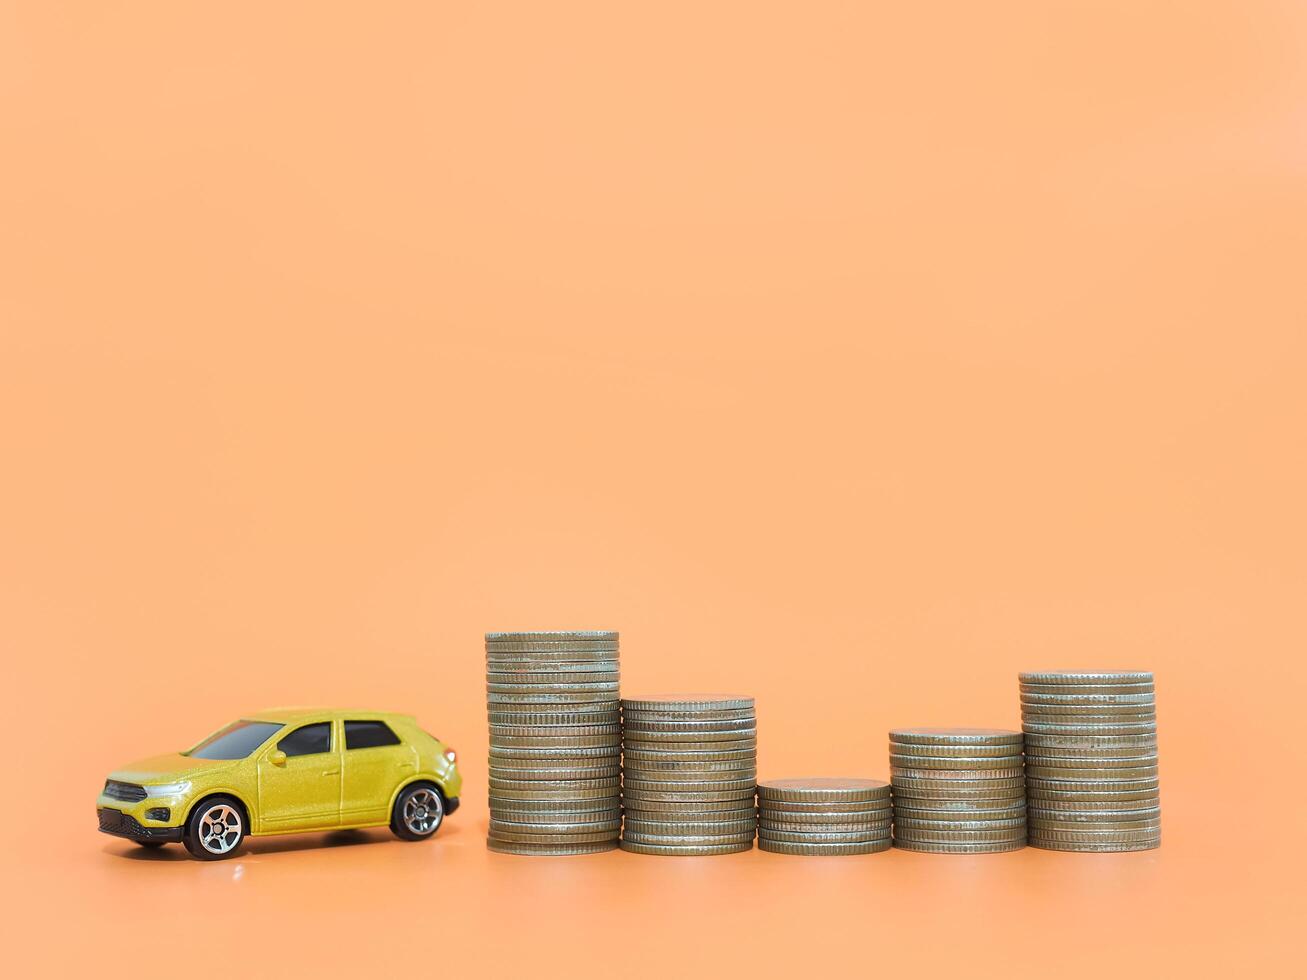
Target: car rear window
x=368, y=734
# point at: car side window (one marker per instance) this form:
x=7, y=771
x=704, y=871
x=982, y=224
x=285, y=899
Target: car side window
x=368, y=734
x=309, y=740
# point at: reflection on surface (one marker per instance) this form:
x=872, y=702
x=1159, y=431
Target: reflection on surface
x=256, y=847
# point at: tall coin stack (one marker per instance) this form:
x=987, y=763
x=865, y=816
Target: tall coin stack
x=690, y=767
x=824, y=816
x=957, y=790
x=1091, y=760
x=555, y=742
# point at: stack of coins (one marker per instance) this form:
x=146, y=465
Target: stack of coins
x=1091, y=760
x=689, y=771
x=824, y=816
x=555, y=742
x=957, y=790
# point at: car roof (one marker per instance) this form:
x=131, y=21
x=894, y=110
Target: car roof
x=286, y=716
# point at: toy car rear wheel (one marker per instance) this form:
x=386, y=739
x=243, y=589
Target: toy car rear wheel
x=215, y=829
x=419, y=811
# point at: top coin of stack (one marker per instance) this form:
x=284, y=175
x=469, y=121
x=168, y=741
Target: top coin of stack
x=824, y=816
x=957, y=790
x=555, y=742
x=1091, y=760
x=689, y=771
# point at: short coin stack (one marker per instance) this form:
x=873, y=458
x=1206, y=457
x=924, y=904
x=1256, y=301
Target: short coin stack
x=688, y=774
x=957, y=790
x=824, y=816
x=1091, y=760
x=555, y=742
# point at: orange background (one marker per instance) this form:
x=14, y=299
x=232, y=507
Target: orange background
x=850, y=355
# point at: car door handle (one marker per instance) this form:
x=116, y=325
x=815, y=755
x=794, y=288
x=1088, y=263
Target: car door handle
x=332, y=772
x=404, y=765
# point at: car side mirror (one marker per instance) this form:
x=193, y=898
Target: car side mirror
x=277, y=757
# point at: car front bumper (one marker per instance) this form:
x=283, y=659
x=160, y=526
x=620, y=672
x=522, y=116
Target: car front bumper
x=121, y=824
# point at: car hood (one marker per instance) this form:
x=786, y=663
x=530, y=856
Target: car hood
x=171, y=765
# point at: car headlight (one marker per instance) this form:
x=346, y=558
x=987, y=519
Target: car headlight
x=166, y=789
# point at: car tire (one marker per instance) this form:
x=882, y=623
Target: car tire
x=419, y=812
x=151, y=844
x=204, y=839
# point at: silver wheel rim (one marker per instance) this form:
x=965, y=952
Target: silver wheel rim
x=423, y=811
x=220, y=829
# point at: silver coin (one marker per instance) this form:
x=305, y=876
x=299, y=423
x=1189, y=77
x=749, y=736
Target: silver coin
x=689, y=702
x=954, y=736
x=1083, y=761
x=825, y=806
x=1093, y=785
x=1089, y=796
x=1085, y=677
x=958, y=806
x=737, y=738
x=1105, y=774
x=960, y=816
x=658, y=757
x=501, y=777
x=551, y=850
x=906, y=786
x=560, y=670
x=824, y=789
x=1085, y=700
x=1036, y=815
x=550, y=836
x=555, y=818
x=958, y=836
x=819, y=837
x=556, y=741
x=739, y=808
x=555, y=794
x=1096, y=836
x=1040, y=825
x=956, y=775
x=692, y=850
x=1004, y=750
x=721, y=765
x=630, y=795
x=596, y=688
x=632, y=785
x=698, y=714
x=693, y=828
x=687, y=840
x=1036, y=742
x=956, y=762
x=1063, y=689
x=808, y=830
x=932, y=847
x=1080, y=804
x=910, y=823
x=545, y=722
x=1144, y=728
x=1107, y=712
x=736, y=778
x=691, y=727
x=810, y=819
x=1048, y=845
x=826, y=850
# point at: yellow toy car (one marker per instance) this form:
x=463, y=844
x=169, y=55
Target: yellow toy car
x=284, y=772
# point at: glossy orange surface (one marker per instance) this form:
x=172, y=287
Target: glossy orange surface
x=852, y=356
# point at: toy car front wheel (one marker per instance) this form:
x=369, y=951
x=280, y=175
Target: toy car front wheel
x=418, y=813
x=215, y=829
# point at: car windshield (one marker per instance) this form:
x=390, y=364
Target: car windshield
x=236, y=741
